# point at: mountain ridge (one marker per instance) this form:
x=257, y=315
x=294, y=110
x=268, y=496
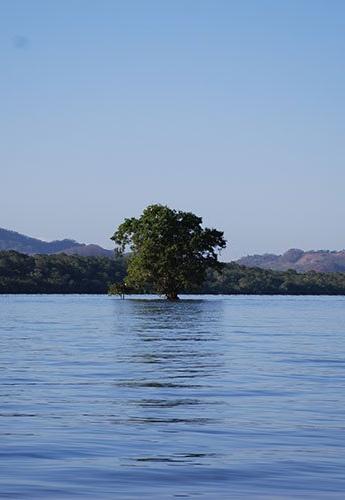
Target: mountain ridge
x=295, y=258
x=299, y=260
x=12, y=240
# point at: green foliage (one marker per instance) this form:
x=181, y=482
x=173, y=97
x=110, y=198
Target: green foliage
x=62, y=273
x=170, y=251
x=58, y=273
x=118, y=289
x=235, y=279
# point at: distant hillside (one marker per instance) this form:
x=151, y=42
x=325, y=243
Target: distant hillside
x=89, y=251
x=11, y=240
x=320, y=260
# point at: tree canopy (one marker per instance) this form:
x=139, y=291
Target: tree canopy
x=59, y=273
x=62, y=273
x=170, y=250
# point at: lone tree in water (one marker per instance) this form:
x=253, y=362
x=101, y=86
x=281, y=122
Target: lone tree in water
x=170, y=251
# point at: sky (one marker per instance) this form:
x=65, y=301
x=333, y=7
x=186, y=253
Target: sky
x=233, y=110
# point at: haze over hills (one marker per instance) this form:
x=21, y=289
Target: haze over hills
x=299, y=260
x=11, y=240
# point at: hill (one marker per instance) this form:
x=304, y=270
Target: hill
x=325, y=261
x=11, y=240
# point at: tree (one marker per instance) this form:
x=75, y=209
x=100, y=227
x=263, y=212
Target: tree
x=170, y=251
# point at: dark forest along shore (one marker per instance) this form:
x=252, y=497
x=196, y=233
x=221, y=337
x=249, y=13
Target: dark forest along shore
x=210, y=397
x=62, y=274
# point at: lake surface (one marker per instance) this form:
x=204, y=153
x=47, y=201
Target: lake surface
x=210, y=398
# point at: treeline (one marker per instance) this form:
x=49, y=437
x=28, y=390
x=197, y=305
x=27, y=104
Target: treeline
x=60, y=273
x=236, y=279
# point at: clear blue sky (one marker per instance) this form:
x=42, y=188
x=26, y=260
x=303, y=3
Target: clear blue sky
x=231, y=109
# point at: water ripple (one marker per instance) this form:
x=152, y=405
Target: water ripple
x=212, y=398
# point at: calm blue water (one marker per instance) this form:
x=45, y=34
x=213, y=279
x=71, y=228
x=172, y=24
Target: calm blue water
x=210, y=398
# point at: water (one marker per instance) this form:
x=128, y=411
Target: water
x=210, y=398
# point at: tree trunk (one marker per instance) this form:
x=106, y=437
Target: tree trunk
x=172, y=296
